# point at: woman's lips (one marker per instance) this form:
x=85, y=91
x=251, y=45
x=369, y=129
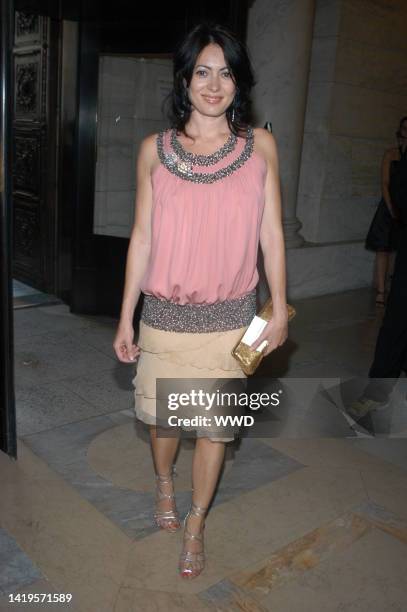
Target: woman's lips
x=212, y=99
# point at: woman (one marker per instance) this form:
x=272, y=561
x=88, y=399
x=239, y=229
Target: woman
x=207, y=194
x=383, y=233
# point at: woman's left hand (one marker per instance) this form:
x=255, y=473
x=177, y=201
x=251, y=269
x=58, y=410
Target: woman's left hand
x=275, y=332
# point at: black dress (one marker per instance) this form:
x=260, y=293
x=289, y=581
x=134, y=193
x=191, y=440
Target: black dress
x=384, y=232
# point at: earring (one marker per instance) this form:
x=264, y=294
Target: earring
x=233, y=114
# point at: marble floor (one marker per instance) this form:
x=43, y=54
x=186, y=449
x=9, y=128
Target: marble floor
x=314, y=522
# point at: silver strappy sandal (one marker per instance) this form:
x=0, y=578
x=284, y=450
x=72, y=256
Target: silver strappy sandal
x=165, y=518
x=191, y=564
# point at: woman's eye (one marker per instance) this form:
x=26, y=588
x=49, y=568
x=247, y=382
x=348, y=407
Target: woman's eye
x=201, y=72
x=226, y=74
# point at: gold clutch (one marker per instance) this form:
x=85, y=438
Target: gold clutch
x=248, y=358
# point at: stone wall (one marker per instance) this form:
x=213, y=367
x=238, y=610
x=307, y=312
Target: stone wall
x=357, y=94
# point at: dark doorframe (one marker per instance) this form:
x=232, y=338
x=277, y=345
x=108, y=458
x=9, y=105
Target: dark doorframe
x=8, y=433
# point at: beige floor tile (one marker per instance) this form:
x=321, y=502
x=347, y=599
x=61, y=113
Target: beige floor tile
x=367, y=577
x=289, y=562
x=387, y=486
x=327, y=452
x=27, y=466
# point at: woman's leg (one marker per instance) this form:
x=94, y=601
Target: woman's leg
x=164, y=450
x=206, y=466
x=382, y=264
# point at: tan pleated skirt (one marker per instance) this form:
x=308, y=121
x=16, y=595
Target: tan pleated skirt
x=176, y=355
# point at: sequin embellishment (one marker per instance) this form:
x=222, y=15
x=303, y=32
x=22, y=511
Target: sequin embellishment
x=202, y=160
x=219, y=316
x=183, y=168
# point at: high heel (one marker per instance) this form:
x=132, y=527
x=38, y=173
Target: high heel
x=166, y=518
x=191, y=563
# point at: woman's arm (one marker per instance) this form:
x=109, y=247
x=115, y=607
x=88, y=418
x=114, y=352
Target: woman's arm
x=387, y=158
x=272, y=244
x=138, y=251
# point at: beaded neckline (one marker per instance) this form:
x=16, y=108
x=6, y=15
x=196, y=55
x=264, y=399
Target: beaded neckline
x=184, y=168
x=202, y=160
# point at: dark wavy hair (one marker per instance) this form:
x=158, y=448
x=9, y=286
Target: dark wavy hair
x=238, y=62
x=402, y=120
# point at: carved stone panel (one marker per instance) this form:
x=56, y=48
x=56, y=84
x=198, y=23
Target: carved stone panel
x=27, y=28
x=26, y=239
x=27, y=165
x=31, y=157
x=27, y=76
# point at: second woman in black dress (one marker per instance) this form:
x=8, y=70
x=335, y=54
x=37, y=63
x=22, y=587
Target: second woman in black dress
x=383, y=234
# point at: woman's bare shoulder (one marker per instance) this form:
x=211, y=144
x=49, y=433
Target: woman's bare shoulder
x=148, y=145
x=148, y=153
x=264, y=143
x=392, y=153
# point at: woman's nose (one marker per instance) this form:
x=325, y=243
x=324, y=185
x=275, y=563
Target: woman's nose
x=214, y=83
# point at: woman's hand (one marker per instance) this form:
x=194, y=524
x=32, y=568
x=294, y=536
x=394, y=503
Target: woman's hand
x=275, y=332
x=126, y=351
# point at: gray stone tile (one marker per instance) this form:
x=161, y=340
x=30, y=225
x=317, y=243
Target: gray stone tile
x=16, y=568
x=50, y=405
x=68, y=443
x=108, y=391
x=43, y=359
x=225, y=595
x=37, y=321
x=255, y=465
x=323, y=370
x=99, y=336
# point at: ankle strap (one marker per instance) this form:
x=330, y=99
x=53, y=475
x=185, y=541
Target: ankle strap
x=166, y=478
x=198, y=510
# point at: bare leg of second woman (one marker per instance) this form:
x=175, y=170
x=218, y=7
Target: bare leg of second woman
x=382, y=264
x=206, y=466
x=164, y=450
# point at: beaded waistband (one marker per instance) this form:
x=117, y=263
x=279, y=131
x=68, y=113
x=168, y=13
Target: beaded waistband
x=220, y=316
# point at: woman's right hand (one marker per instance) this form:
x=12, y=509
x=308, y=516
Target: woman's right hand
x=125, y=350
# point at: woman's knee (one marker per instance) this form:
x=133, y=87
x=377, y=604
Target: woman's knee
x=208, y=441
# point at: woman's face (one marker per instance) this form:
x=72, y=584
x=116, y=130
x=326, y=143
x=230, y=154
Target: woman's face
x=211, y=90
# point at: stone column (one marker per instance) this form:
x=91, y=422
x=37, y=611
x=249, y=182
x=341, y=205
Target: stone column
x=279, y=38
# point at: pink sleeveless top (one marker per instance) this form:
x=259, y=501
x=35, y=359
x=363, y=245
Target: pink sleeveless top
x=205, y=236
